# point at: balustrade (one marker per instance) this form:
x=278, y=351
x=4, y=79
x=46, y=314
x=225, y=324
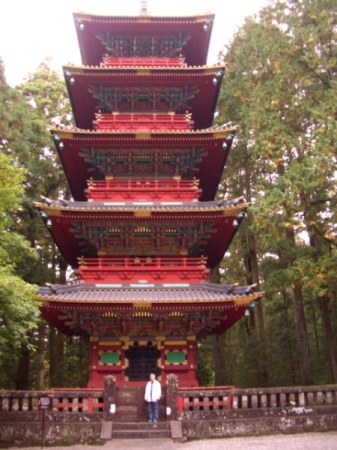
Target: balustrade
x=195, y=400
x=136, y=190
x=212, y=399
x=143, y=122
x=110, y=61
x=79, y=401
x=167, y=269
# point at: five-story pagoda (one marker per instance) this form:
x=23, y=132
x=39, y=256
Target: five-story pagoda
x=143, y=229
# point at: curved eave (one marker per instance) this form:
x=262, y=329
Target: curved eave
x=56, y=208
x=208, y=170
x=136, y=18
x=143, y=70
x=142, y=296
x=202, y=104
x=235, y=300
x=224, y=220
x=145, y=135
x=228, y=309
x=92, y=49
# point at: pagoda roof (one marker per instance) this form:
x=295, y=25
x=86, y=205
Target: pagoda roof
x=208, y=164
x=145, y=295
x=84, y=307
x=223, y=206
x=139, y=228
x=122, y=89
x=197, y=27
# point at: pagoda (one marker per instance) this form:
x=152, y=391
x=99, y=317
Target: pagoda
x=143, y=229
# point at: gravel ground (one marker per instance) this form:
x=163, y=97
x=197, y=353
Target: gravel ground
x=308, y=441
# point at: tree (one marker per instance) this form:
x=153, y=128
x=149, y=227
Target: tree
x=25, y=114
x=280, y=78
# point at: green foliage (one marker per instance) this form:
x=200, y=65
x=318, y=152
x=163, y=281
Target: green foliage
x=204, y=359
x=280, y=86
x=18, y=312
x=29, y=168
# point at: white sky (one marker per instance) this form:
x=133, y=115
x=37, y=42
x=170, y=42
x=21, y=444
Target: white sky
x=31, y=30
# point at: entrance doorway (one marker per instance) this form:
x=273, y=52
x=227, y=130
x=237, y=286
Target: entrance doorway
x=142, y=361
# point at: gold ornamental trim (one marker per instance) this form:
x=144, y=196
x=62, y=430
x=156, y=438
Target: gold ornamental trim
x=142, y=135
x=142, y=213
x=142, y=305
x=245, y=300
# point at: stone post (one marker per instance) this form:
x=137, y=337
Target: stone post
x=172, y=397
x=109, y=397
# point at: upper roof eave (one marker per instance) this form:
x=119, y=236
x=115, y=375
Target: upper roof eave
x=220, y=206
x=212, y=132
x=141, y=17
x=155, y=293
x=80, y=69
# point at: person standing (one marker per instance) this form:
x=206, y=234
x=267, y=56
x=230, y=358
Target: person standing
x=152, y=396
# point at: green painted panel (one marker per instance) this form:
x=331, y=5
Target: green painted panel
x=109, y=358
x=175, y=357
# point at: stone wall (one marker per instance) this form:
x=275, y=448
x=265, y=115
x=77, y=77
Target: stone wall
x=286, y=421
x=75, y=416
x=209, y=412
x=24, y=429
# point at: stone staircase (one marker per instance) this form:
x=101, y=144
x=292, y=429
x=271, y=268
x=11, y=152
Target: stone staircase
x=140, y=430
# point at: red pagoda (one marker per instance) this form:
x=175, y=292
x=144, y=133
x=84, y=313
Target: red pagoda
x=143, y=230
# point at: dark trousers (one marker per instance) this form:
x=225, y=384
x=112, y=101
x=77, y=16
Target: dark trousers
x=153, y=410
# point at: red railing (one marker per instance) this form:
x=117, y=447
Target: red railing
x=111, y=61
x=134, y=269
x=143, y=122
x=132, y=190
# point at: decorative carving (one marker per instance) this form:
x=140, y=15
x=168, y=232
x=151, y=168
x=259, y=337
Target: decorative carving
x=152, y=238
x=144, y=99
x=144, y=45
x=142, y=164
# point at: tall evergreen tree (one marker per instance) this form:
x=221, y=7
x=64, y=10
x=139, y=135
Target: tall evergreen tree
x=280, y=79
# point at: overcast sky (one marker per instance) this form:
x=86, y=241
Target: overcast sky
x=31, y=30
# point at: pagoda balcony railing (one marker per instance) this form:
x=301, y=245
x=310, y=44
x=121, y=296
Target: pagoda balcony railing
x=143, y=122
x=101, y=190
x=168, y=269
x=112, y=61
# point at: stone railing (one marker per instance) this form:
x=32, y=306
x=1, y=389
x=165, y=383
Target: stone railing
x=71, y=400
x=221, y=399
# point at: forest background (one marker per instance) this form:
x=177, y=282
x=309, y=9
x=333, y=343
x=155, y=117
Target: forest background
x=280, y=86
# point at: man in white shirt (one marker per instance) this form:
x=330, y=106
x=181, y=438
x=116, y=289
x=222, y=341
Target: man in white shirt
x=152, y=396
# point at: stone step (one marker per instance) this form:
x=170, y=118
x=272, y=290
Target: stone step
x=141, y=434
x=122, y=426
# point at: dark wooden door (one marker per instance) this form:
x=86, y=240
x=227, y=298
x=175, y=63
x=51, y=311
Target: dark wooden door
x=142, y=361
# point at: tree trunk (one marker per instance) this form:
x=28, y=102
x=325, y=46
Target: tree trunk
x=56, y=358
x=300, y=321
x=39, y=357
x=219, y=348
x=59, y=353
x=264, y=374
x=308, y=377
x=327, y=326
x=254, y=278
x=52, y=359
x=23, y=370
x=218, y=342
